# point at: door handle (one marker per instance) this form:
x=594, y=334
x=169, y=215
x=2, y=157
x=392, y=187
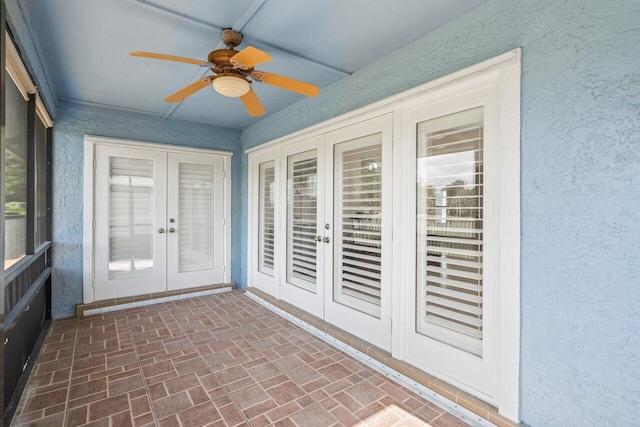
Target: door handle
x=172, y=230
x=160, y=230
x=326, y=240
x=319, y=238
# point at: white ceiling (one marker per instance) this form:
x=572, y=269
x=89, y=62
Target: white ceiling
x=85, y=46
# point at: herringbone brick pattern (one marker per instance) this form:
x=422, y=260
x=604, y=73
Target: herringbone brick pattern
x=218, y=360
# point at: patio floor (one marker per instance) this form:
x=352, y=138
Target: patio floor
x=219, y=360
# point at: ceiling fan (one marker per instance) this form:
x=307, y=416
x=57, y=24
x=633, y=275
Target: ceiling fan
x=234, y=73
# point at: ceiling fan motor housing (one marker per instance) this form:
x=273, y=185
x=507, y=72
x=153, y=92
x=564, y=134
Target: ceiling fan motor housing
x=231, y=38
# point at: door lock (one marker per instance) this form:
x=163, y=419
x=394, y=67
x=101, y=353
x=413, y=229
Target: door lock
x=160, y=230
x=326, y=240
x=171, y=220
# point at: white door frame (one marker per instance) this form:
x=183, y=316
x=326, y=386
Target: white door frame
x=507, y=67
x=188, y=279
x=311, y=302
x=106, y=287
x=505, y=78
x=260, y=280
x=90, y=143
x=376, y=330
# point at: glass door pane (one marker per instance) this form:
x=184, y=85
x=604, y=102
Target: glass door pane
x=131, y=228
x=450, y=230
x=196, y=236
x=302, y=213
x=266, y=225
x=357, y=279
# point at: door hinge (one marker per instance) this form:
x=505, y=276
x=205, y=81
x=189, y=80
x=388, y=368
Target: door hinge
x=95, y=164
x=94, y=223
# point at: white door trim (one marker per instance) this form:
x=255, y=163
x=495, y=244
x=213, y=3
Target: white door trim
x=90, y=143
x=375, y=330
x=506, y=78
x=507, y=68
x=261, y=280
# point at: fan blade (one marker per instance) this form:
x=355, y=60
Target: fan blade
x=287, y=83
x=252, y=104
x=188, y=90
x=172, y=58
x=250, y=57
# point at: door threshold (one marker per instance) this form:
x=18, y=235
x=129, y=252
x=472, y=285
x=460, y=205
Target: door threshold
x=115, y=304
x=465, y=406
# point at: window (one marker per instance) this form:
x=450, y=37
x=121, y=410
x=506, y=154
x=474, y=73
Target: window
x=26, y=165
x=40, y=226
x=15, y=186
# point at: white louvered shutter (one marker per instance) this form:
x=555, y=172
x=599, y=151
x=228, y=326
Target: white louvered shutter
x=302, y=189
x=450, y=229
x=357, y=219
x=130, y=218
x=195, y=217
x=266, y=232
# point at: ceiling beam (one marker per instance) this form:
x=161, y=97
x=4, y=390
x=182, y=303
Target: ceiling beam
x=249, y=13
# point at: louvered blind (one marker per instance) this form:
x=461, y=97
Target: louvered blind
x=266, y=221
x=450, y=229
x=195, y=220
x=357, y=219
x=302, y=191
x=130, y=218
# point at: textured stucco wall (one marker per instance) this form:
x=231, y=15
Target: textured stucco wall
x=68, y=144
x=580, y=180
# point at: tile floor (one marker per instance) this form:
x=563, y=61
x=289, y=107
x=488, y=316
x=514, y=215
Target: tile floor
x=219, y=360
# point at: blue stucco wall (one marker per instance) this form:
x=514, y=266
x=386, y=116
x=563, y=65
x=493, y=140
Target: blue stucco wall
x=580, y=188
x=68, y=144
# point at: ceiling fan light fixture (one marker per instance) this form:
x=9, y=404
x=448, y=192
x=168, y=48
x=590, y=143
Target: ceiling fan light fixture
x=230, y=86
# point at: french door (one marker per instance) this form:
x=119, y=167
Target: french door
x=158, y=221
x=303, y=281
x=452, y=307
x=338, y=228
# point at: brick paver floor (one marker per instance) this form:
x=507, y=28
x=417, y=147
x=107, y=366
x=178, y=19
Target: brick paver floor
x=219, y=360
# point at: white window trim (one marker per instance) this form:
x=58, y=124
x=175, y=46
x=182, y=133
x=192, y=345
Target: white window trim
x=507, y=68
x=90, y=143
